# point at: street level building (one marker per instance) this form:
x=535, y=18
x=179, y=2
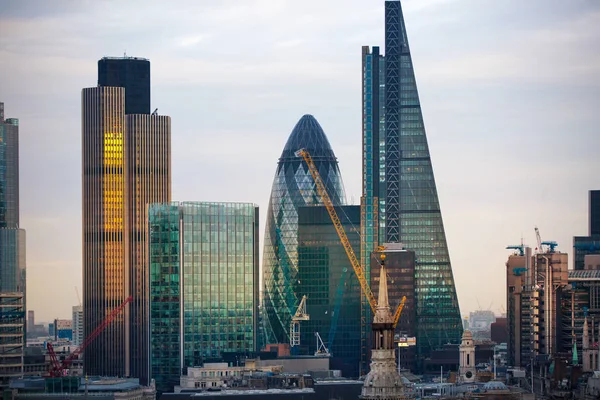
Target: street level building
x=203, y=301
x=293, y=187
x=126, y=164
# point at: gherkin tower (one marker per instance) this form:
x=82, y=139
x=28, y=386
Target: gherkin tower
x=293, y=187
x=397, y=167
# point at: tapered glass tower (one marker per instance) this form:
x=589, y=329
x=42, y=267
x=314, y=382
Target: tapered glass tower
x=412, y=210
x=293, y=187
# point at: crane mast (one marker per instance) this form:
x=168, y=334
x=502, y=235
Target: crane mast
x=358, y=269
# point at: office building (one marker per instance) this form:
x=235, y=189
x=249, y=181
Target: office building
x=536, y=301
x=9, y=171
x=327, y=278
x=126, y=165
x=400, y=268
x=594, y=212
x=12, y=256
x=293, y=187
x=77, y=325
x=12, y=336
x=203, y=284
x=132, y=74
x=409, y=212
x=586, y=245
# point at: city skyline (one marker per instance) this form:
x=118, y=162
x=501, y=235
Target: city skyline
x=498, y=107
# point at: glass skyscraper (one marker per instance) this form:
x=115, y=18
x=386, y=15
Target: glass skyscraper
x=126, y=164
x=412, y=213
x=293, y=187
x=326, y=276
x=203, y=284
x=12, y=256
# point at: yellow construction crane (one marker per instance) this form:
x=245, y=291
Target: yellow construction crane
x=300, y=315
x=358, y=269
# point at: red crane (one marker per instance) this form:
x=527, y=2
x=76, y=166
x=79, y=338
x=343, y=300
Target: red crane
x=58, y=369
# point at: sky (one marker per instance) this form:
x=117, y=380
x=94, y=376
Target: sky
x=510, y=92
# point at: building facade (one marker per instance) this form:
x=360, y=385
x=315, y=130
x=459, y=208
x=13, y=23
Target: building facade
x=588, y=245
x=293, y=187
x=77, y=325
x=12, y=256
x=132, y=74
x=327, y=278
x=9, y=171
x=204, y=284
x=126, y=165
x=12, y=336
x=410, y=208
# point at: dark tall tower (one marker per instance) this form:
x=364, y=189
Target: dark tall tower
x=588, y=245
x=126, y=165
x=131, y=73
x=594, y=212
x=410, y=211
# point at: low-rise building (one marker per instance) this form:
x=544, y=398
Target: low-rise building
x=70, y=387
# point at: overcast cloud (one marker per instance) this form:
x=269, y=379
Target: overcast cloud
x=510, y=92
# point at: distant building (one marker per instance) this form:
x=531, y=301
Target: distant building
x=594, y=212
x=326, y=276
x=74, y=387
x=585, y=245
x=535, y=287
x=203, y=284
x=78, y=325
x=222, y=375
x=63, y=329
x=126, y=164
x=499, y=330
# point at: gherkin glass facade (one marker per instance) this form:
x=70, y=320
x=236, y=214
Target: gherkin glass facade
x=293, y=187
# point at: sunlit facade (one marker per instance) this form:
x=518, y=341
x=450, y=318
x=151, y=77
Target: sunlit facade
x=293, y=187
x=203, y=284
x=126, y=165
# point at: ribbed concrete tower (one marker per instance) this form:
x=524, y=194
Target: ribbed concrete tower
x=383, y=382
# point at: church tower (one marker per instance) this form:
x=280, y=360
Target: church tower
x=383, y=382
x=467, y=358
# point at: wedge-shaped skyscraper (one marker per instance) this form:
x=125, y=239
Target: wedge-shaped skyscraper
x=293, y=187
x=397, y=166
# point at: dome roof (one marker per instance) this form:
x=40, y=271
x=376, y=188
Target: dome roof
x=494, y=385
x=308, y=134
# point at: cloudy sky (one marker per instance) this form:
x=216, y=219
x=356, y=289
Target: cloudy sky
x=510, y=93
